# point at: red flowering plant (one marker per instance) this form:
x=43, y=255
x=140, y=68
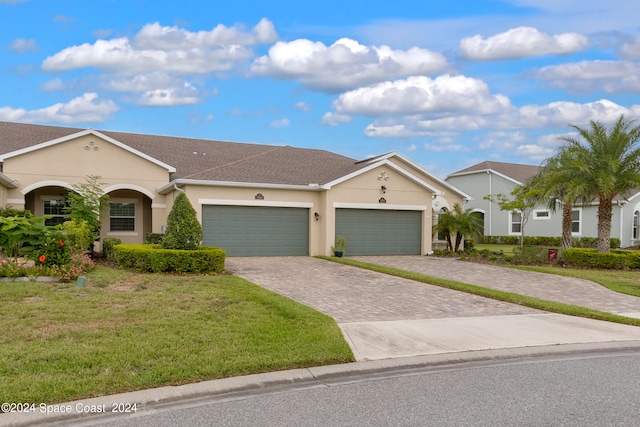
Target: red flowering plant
x=53, y=250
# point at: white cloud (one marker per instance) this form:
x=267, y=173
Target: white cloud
x=444, y=146
x=24, y=45
x=333, y=119
x=52, y=85
x=631, y=49
x=280, y=123
x=420, y=95
x=591, y=76
x=520, y=42
x=165, y=49
x=501, y=140
x=549, y=116
x=345, y=64
x=85, y=108
x=303, y=106
x=185, y=95
x=157, y=37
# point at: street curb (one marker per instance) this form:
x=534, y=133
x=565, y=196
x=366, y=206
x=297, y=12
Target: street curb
x=154, y=399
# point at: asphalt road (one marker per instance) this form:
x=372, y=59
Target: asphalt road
x=569, y=390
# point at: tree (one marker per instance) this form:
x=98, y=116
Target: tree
x=520, y=202
x=606, y=165
x=459, y=223
x=554, y=184
x=87, y=201
x=183, y=229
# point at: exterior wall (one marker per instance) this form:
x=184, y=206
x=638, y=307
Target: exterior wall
x=142, y=214
x=60, y=166
x=208, y=195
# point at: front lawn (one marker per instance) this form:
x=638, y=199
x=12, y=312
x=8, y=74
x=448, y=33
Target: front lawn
x=506, y=249
x=128, y=331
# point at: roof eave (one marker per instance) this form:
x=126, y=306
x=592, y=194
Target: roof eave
x=165, y=189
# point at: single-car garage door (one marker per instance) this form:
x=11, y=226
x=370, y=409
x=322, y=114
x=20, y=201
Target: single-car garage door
x=380, y=232
x=256, y=230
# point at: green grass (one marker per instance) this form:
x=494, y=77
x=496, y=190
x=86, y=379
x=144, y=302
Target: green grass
x=128, y=331
x=524, y=300
x=507, y=249
x=626, y=282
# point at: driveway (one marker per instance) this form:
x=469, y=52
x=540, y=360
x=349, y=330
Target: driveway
x=383, y=316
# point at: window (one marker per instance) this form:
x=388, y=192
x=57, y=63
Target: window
x=516, y=223
x=542, y=214
x=122, y=216
x=55, y=208
x=575, y=221
x=636, y=216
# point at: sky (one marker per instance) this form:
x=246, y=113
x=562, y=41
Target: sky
x=447, y=84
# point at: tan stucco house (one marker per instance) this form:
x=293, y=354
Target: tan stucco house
x=251, y=199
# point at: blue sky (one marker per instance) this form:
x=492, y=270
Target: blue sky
x=449, y=84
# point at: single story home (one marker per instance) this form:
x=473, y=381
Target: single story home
x=493, y=178
x=251, y=199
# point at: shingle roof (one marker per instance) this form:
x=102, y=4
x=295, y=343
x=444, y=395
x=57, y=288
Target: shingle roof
x=207, y=160
x=518, y=172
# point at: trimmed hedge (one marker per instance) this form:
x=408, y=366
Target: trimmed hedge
x=578, y=242
x=590, y=258
x=153, y=258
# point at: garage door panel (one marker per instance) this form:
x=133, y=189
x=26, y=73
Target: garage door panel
x=256, y=230
x=380, y=232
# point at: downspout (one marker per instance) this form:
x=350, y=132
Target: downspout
x=175, y=187
x=490, y=204
x=621, y=223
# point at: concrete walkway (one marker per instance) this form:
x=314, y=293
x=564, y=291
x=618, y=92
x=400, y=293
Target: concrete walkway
x=384, y=317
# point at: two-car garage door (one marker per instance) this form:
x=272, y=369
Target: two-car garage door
x=380, y=231
x=256, y=230
x=284, y=231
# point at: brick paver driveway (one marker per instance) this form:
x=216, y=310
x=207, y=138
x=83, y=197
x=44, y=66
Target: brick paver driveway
x=567, y=290
x=350, y=294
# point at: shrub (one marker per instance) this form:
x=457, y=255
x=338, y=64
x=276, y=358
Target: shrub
x=53, y=250
x=183, y=229
x=590, y=258
x=530, y=255
x=79, y=234
x=86, y=202
x=154, y=258
x=108, y=245
x=153, y=238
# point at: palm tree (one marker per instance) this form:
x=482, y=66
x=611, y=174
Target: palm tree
x=458, y=222
x=465, y=224
x=605, y=164
x=553, y=183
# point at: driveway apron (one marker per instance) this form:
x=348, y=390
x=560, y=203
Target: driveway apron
x=382, y=316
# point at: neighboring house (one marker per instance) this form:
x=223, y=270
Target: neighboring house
x=494, y=178
x=251, y=199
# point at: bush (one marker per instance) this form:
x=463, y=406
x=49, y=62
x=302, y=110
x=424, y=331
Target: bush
x=578, y=242
x=183, y=229
x=153, y=258
x=108, y=245
x=78, y=265
x=79, y=234
x=590, y=258
x=530, y=255
x=153, y=238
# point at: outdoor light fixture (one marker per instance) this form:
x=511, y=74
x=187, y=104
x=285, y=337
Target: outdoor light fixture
x=317, y=216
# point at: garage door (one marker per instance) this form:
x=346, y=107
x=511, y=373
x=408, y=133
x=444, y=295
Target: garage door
x=380, y=232
x=256, y=231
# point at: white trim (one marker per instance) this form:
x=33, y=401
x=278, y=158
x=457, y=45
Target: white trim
x=122, y=233
x=133, y=187
x=171, y=186
x=123, y=200
x=381, y=206
x=579, y=233
x=424, y=171
x=79, y=135
x=269, y=203
x=48, y=183
x=158, y=206
x=542, y=218
x=16, y=201
x=510, y=224
x=490, y=171
x=392, y=165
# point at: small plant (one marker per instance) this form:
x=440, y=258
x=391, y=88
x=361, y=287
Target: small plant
x=79, y=265
x=338, y=249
